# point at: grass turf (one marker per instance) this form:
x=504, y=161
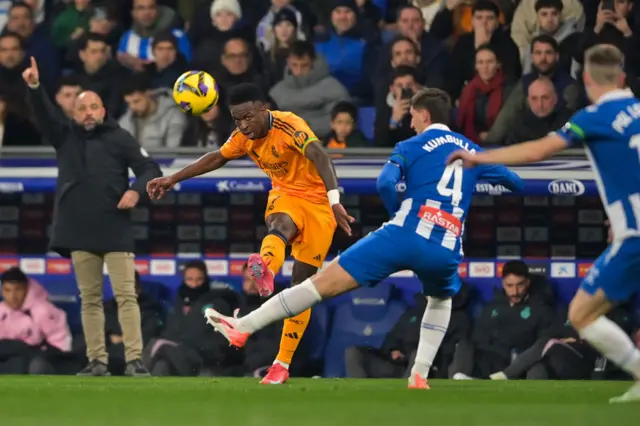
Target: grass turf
x=69, y=401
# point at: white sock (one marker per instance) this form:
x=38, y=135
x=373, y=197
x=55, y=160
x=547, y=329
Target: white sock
x=435, y=322
x=285, y=304
x=609, y=339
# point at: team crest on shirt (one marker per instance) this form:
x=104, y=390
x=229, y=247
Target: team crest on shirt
x=275, y=152
x=300, y=138
x=525, y=313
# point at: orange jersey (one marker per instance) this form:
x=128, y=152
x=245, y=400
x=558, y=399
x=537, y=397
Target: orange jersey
x=281, y=156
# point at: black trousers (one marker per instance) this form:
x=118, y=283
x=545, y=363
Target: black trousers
x=363, y=363
x=25, y=364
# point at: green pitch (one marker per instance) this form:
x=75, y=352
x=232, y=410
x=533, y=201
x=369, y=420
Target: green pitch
x=70, y=401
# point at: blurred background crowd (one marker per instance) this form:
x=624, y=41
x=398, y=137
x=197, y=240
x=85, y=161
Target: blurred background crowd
x=348, y=67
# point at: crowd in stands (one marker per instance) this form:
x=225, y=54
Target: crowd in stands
x=516, y=331
x=502, y=61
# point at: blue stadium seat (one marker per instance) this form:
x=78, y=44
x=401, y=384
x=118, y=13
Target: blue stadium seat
x=364, y=323
x=382, y=4
x=366, y=119
x=64, y=293
x=565, y=291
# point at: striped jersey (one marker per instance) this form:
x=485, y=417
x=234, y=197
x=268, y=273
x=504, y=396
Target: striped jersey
x=437, y=195
x=140, y=47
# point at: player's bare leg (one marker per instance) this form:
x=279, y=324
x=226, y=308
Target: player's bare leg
x=264, y=266
x=330, y=282
x=292, y=331
x=587, y=315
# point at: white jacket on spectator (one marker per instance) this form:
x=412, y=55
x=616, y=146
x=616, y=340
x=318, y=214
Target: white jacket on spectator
x=525, y=21
x=311, y=96
x=163, y=129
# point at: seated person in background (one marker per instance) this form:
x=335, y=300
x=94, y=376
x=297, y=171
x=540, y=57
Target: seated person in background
x=543, y=114
x=397, y=354
x=188, y=345
x=168, y=64
x=483, y=97
x=31, y=328
x=308, y=90
x=209, y=130
x=511, y=323
x=69, y=87
x=560, y=354
x=393, y=121
x=150, y=320
x=262, y=347
x=152, y=117
x=344, y=128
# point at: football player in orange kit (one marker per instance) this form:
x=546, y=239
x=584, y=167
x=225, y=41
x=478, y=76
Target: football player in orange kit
x=303, y=206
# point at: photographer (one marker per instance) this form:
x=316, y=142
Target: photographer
x=393, y=121
x=92, y=219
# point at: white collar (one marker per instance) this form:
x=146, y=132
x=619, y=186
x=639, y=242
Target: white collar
x=615, y=95
x=437, y=126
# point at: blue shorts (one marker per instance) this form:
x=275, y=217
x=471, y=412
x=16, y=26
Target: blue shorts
x=616, y=271
x=391, y=249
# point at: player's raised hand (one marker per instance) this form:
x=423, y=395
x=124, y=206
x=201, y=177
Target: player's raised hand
x=158, y=187
x=343, y=218
x=468, y=160
x=31, y=75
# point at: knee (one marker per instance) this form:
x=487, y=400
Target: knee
x=283, y=225
x=39, y=365
x=352, y=353
x=435, y=303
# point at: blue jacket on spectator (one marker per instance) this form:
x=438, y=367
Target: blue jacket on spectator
x=40, y=46
x=345, y=56
x=140, y=47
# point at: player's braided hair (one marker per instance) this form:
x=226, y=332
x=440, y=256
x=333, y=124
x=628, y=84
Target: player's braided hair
x=436, y=101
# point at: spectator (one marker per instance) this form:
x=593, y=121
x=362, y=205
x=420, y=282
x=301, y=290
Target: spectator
x=150, y=320
x=16, y=126
x=428, y=9
x=31, y=328
x=12, y=62
x=168, y=64
x=238, y=66
x=393, y=121
x=92, y=224
x=274, y=59
x=265, y=31
x=431, y=58
x=346, y=50
x=188, y=344
x=149, y=20
x=344, y=128
x=484, y=95
x=72, y=23
x=36, y=41
x=152, y=118
x=308, y=89
x=544, y=56
x=616, y=28
x=485, y=31
x=99, y=73
x=262, y=347
x=69, y=89
x=209, y=130
x=525, y=19
x=102, y=24
x=511, y=323
x=221, y=22
x=561, y=354
x=542, y=116
x=550, y=22
x=456, y=18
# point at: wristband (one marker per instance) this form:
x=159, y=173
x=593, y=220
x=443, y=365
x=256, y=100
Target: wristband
x=33, y=86
x=334, y=197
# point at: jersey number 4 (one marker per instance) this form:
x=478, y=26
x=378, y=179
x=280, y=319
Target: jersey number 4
x=446, y=188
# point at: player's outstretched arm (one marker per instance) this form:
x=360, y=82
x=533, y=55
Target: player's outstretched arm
x=157, y=188
x=327, y=172
x=386, y=186
x=526, y=152
x=500, y=175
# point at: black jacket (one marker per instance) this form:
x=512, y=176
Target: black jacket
x=93, y=174
x=150, y=318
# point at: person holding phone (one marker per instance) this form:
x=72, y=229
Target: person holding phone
x=393, y=122
x=615, y=25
